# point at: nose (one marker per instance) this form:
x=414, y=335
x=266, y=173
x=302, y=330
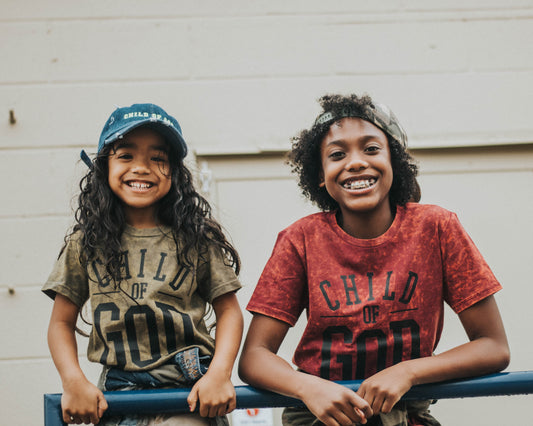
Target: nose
x=355, y=162
x=140, y=166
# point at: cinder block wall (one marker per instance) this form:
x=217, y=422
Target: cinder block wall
x=241, y=77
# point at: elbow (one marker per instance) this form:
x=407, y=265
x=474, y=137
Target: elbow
x=504, y=358
x=501, y=357
x=248, y=365
x=243, y=368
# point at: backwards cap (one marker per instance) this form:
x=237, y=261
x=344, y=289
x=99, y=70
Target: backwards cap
x=378, y=114
x=124, y=120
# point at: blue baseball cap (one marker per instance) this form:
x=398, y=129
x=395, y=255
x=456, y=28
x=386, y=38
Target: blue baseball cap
x=124, y=120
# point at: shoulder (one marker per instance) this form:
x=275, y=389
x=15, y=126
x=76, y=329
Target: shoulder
x=426, y=213
x=75, y=237
x=310, y=230
x=431, y=221
x=309, y=224
x=73, y=243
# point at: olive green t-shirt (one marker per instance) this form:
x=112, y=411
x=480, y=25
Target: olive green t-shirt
x=157, y=309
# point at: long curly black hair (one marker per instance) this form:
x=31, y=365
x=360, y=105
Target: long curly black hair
x=100, y=219
x=305, y=159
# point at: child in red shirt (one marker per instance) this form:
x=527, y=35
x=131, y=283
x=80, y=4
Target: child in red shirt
x=372, y=271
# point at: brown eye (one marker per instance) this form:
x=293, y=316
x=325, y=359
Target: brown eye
x=372, y=148
x=336, y=155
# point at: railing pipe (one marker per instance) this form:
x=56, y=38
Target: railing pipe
x=175, y=400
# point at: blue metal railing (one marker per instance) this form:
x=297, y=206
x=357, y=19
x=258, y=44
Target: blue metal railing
x=175, y=400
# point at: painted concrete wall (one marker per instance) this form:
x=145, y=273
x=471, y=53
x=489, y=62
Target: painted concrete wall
x=243, y=77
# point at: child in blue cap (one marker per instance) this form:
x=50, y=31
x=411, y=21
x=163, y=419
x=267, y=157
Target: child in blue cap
x=148, y=256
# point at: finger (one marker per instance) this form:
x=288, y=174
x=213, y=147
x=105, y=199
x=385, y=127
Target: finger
x=361, y=407
x=232, y=405
x=192, y=399
x=223, y=410
x=102, y=405
x=71, y=418
x=366, y=412
x=377, y=404
x=217, y=410
x=95, y=419
x=388, y=404
x=344, y=420
x=213, y=411
x=203, y=410
x=361, y=416
x=329, y=421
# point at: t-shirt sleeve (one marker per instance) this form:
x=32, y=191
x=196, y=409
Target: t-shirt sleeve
x=215, y=276
x=281, y=291
x=68, y=276
x=468, y=278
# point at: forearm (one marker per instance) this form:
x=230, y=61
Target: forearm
x=81, y=401
x=214, y=392
x=62, y=339
x=228, y=334
x=487, y=351
x=261, y=368
x=481, y=356
x=63, y=348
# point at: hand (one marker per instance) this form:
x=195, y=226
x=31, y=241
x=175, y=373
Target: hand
x=334, y=404
x=215, y=393
x=384, y=389
x=82, y=402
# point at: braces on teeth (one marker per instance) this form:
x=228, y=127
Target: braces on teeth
x=360, y=184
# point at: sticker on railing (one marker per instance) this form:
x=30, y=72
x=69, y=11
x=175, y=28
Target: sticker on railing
x=252, y=416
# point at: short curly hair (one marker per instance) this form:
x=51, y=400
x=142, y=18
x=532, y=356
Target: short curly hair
x=305, y=158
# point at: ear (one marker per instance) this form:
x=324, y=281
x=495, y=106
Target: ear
x=321, y=182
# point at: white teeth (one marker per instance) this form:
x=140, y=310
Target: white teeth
x=360, y=184
x=139, y=185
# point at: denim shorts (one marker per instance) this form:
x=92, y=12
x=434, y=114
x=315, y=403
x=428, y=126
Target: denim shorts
x=182, y=371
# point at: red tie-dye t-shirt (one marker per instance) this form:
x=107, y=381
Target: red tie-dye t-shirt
x=371, y=303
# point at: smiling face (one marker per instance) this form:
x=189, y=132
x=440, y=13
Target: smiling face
x=357, y=173
x=139, y=174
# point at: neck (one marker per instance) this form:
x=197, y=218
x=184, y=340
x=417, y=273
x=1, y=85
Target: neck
x=366, y=225
x=141, y=218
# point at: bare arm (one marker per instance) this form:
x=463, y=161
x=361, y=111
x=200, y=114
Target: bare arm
x=259, y=366
x=487, y=352
x=81, y=401
x=214, y=391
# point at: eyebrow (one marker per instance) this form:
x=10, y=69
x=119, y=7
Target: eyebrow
x=363, y=139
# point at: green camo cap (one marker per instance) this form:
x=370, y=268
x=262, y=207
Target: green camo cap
x=378, y=114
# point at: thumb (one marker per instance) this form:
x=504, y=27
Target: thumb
x=192, y=399
x=102, y=405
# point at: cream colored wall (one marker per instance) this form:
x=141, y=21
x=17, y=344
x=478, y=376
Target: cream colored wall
x=242, y=77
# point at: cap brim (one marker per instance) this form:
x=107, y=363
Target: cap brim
x=171, y=135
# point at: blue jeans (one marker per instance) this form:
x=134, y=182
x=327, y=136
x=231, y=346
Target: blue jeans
x=186, y=368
